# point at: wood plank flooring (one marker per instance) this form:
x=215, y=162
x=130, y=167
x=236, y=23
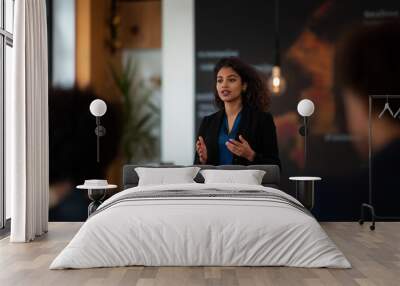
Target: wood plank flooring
x=375, y=257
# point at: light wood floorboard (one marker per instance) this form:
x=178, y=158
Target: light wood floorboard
x=374, y=255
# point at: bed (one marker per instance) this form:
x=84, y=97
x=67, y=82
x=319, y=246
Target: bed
x=197, y=224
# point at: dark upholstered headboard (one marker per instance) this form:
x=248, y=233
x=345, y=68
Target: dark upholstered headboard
x=271, y=178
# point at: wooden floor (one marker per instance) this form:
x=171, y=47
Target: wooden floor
x=375, y=257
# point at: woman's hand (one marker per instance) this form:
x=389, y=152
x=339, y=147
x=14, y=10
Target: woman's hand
x=241, y=148
x=201, y=149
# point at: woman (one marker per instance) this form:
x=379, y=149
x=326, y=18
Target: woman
x=241, y=132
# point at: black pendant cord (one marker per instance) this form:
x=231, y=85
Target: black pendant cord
x=277, y=43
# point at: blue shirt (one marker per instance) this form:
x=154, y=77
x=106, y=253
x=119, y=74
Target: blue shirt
x=226, y=156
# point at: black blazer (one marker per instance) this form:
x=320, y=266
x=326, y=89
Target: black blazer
x=257, y=128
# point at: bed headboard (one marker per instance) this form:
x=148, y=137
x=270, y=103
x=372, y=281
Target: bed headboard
x=271, y=178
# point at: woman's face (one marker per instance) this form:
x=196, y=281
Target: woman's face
x=229, y=85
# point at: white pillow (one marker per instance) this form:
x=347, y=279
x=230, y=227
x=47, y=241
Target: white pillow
x=163, y=176
x=248, y=177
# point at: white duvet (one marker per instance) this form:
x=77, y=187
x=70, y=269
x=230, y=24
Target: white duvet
x=200, y=231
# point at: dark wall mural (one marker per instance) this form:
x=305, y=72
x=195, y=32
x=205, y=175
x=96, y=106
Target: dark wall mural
x=309, y=32
x=72, y=150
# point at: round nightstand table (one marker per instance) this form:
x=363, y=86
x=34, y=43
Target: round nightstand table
x=96, y=191
x=305, y=190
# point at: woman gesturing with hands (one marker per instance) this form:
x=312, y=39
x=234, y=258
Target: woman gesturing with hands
x=241, y=148
x=241, y=132
x=201, y=149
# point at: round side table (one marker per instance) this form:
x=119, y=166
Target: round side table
x=96, y=195
x=305, y=190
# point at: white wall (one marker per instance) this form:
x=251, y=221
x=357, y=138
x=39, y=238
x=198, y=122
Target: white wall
x=177, y=99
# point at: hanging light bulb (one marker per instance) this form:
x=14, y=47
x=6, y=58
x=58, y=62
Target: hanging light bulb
x=276, y=83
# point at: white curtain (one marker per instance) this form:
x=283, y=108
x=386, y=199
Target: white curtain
x=27, y=166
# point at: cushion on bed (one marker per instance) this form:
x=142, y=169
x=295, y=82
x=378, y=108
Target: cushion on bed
x=271, y=178
x=249, y=177
x=165, y=176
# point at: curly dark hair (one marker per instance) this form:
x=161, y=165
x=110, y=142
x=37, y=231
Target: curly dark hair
x=256, y=94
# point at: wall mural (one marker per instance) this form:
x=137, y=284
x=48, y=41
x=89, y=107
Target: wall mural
x=309, y=31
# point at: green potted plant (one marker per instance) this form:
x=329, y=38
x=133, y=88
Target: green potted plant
x=141, y=117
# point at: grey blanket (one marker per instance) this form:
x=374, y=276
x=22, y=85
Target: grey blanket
x=205, y=194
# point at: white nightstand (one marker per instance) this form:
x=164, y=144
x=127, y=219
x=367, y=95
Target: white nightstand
x=96, y=191
x=305, y=190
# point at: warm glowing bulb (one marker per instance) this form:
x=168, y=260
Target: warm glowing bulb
x=276, y=83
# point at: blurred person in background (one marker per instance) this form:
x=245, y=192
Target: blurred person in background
x=367, y=62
